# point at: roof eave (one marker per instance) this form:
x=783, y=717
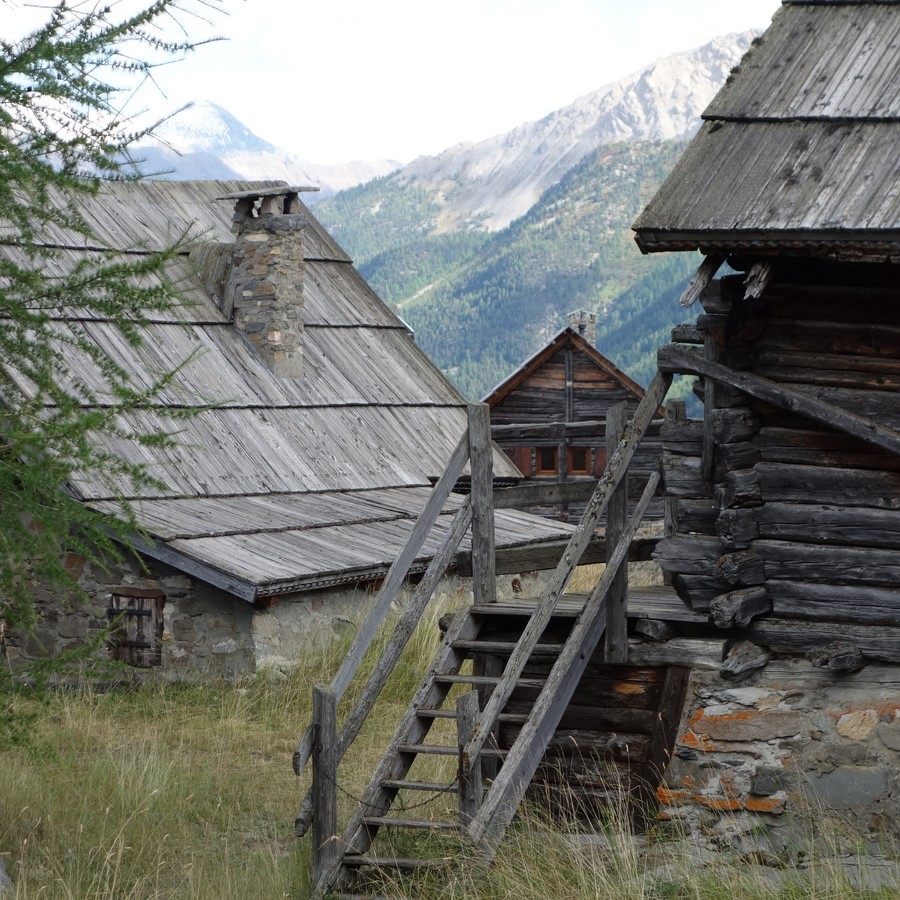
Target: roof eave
x=726, y=240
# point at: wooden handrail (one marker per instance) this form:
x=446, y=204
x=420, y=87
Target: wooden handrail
x=390, y=589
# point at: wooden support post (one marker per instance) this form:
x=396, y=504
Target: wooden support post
x=484, y=566
x=615, y=639
x=485, y=664
x=326, y=846
x=705, y=273
x=676, y=414
x=469, y=774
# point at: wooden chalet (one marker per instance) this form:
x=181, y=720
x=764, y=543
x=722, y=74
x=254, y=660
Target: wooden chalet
x=763, y=685
x=549, y=416
x=319, y=431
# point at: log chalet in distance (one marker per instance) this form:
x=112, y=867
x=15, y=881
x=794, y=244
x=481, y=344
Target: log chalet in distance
x=786, y=498
x=299, y=483
x=554, y=408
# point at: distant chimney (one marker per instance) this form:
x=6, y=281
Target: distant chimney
x=585, y=323
x=263, y=292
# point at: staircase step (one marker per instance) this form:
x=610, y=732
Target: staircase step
x=512, y=718
x=443, y=750
x=358, y=861
x=421, y=824
x=486, y=680
x=569, y=606
x=437, y=787
x=506, y=647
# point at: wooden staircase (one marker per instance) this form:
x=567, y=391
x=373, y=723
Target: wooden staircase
x=454, y=783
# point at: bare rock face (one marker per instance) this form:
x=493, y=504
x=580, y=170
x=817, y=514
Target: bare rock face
x=501, y=178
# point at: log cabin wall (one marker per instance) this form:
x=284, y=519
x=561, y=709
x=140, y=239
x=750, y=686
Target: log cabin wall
x=802, y=515
x=785, y=533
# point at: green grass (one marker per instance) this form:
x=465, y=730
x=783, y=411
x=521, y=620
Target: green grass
x=178, y=791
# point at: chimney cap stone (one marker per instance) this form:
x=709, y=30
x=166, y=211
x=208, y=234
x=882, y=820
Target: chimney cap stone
x=259, y=193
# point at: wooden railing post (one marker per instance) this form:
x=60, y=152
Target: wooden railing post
x=469, y=774
x=484, y=578
x=326, y=846
x=615, y=639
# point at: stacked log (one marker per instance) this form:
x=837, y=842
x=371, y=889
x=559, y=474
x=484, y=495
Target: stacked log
x=774, y=510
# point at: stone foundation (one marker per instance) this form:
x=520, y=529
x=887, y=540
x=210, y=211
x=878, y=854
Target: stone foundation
x=791, y=741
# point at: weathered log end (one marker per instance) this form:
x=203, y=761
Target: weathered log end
x=745, y=568
x=654, y=629
x=737, y=528
x=742, y=658
x=838, y=656
x=737, y=609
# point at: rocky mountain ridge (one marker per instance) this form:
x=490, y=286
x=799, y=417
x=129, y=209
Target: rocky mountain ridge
x=490, y=183
x=206, y=141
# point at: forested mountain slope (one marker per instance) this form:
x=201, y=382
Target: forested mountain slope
x=480, y=304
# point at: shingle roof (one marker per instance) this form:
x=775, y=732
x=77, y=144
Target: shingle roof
x=281, y=483
x=800, y=146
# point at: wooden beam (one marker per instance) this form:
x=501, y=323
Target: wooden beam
x=679, y=359
x=615, y=637
x=391, y=588
x=484, y=581
x=702, y=278
x=546, y=555
x=544, y=493
x=550, y=432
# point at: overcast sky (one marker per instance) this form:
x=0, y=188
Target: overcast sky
x=338, y=80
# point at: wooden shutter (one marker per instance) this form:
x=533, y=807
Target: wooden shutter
x=521, y=457
x=137, y=616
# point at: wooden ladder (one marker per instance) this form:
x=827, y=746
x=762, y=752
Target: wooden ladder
x=481, y=816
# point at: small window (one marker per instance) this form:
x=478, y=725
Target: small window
x=579, y=461
x=136, y=615
x=546, y=461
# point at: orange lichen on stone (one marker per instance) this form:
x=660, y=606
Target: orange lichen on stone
x=746, y=725
x=771, y=805
x=723, y=804
x=668, y=795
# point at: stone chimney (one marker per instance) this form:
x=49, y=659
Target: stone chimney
x=263, y=292
x=585, y=323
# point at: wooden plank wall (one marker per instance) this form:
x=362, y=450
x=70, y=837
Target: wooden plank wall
x=571, y=387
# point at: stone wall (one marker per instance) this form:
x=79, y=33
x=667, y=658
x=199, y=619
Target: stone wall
x=207, y=633
x=791, y=744
x=296, y=624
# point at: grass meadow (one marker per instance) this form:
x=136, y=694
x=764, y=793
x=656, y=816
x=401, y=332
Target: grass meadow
x=159, y=790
